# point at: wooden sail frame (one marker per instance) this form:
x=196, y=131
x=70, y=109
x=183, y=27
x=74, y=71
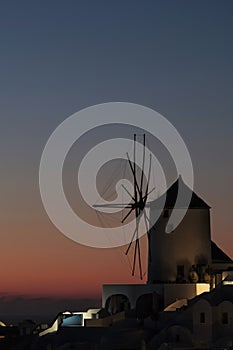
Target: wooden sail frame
x=137, y=206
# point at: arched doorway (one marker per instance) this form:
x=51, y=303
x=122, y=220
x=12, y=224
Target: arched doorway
x=145, y=305
x=117, y=303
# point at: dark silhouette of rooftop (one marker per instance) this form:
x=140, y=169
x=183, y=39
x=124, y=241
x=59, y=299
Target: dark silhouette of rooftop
x=218, y=256
x=172, y=193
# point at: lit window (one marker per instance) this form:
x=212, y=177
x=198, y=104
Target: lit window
x=225, y=318
x=202, y=317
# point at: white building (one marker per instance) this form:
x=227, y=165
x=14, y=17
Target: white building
x=184, y=263
x=69, y=319
x=174, y=254
x=206, y=322
x=189, y=293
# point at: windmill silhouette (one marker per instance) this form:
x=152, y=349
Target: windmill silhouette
x=139, y=200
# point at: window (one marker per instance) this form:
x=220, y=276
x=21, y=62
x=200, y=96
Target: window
x=225, y=318
x=72, y=320
x=180, y=270
x=180, y=274
x=166, y=213
x=202, y=317
x=177, y=338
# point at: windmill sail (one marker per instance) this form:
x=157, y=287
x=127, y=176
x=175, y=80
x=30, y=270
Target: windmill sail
x=137, y=205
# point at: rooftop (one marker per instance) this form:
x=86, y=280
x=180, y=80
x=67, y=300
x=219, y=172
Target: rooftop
x=171, y=197
x=218, y=256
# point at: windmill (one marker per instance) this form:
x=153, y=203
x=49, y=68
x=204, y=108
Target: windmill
x=137, y=205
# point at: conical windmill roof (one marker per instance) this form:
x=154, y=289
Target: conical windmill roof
x=171, y=196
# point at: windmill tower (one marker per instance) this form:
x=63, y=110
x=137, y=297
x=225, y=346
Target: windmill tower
x=188, y=247
x=179, y=263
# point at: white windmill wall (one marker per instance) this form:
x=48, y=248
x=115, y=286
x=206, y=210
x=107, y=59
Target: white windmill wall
x=188, y=245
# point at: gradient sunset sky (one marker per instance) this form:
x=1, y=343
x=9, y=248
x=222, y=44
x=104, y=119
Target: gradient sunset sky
x=58, y=57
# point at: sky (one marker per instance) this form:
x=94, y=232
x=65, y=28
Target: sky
x=58, y=57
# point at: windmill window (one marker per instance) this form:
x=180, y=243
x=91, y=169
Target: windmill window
x=202, y=317
x=180, y=270
x=225, y=318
